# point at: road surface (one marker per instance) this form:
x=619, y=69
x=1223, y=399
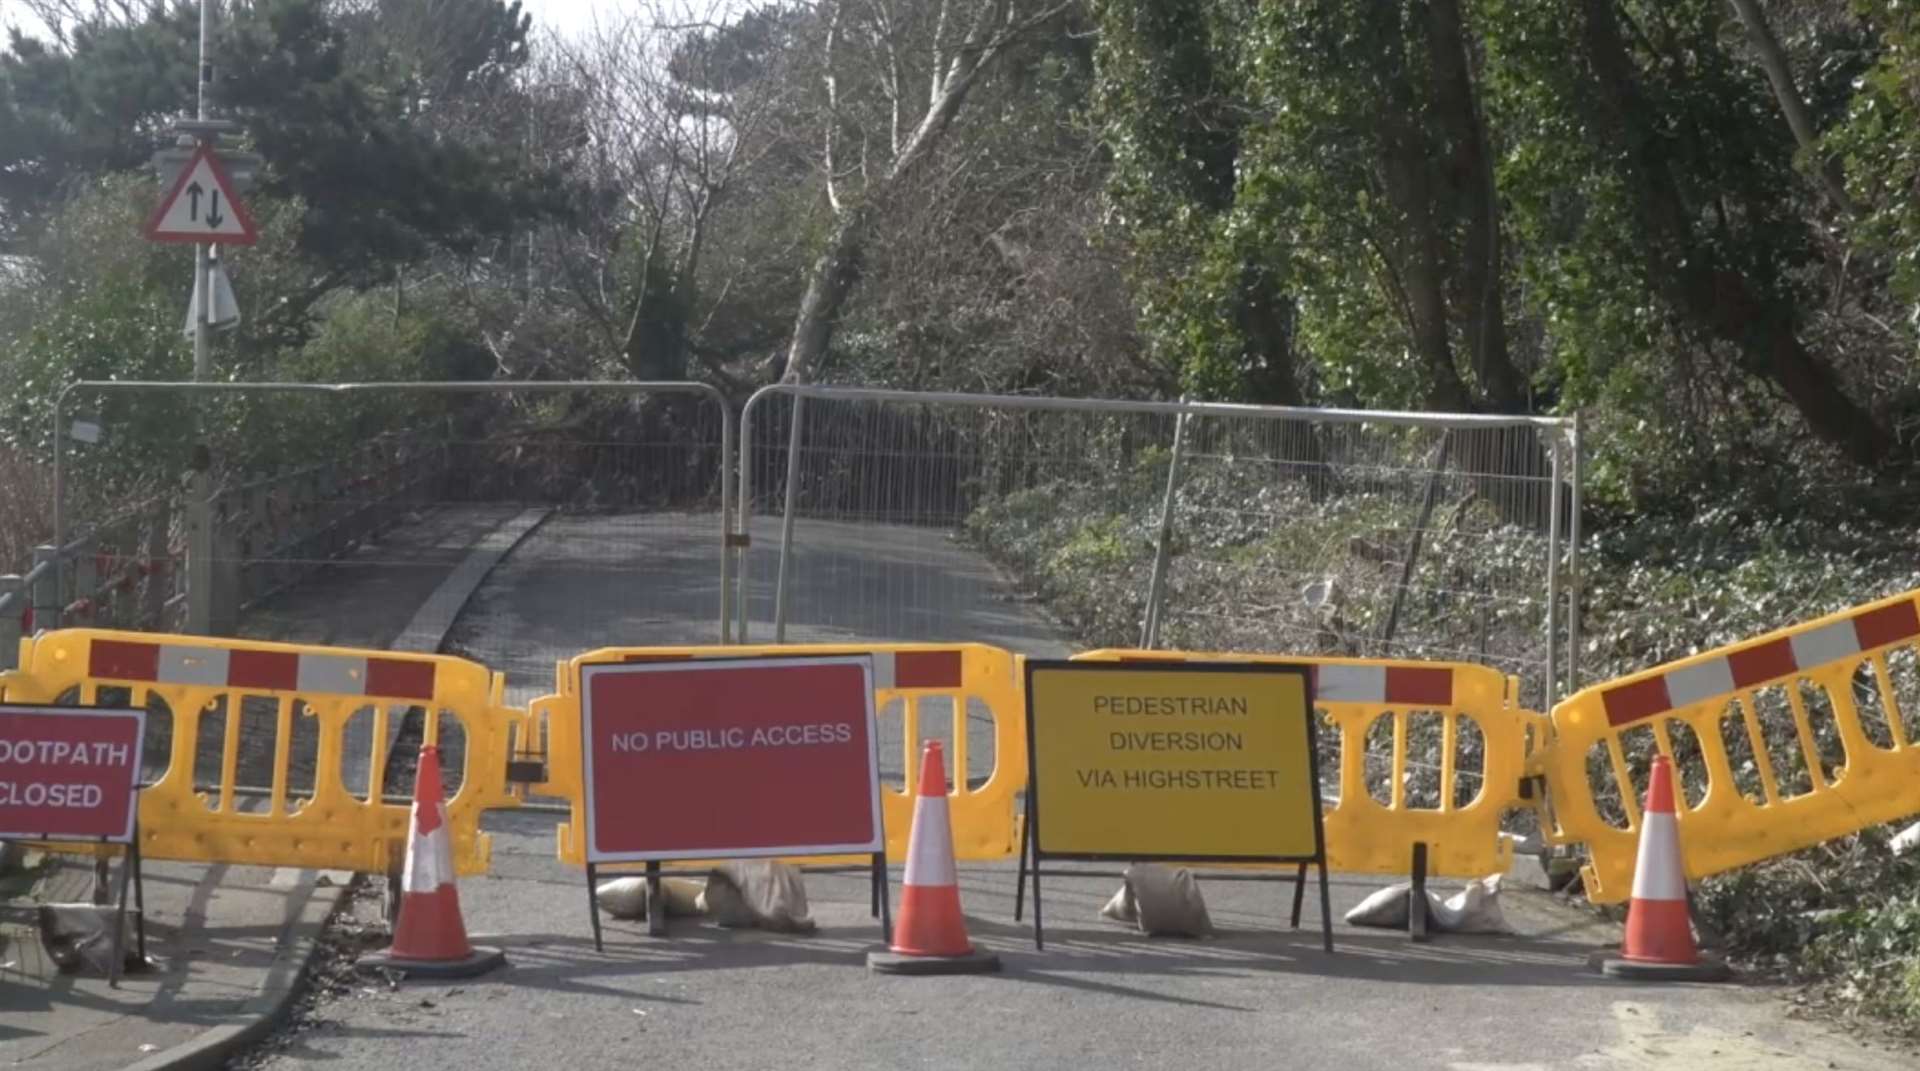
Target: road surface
x=1098, y=997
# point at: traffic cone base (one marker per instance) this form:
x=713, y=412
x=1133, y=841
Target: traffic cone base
x=975, y=962
x=1703, y=969
x=478, y=960
x=930, y=936
x=429, y=937
x=1659, y=942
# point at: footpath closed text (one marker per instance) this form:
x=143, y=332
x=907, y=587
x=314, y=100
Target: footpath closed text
x=49, y=755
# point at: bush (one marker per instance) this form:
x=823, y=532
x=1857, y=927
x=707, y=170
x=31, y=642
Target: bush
x=1843, y=918
x=26, y=507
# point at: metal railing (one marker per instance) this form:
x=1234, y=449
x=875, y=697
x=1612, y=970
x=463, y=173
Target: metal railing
x=1203, y=525
x=259, y=534
x=1199, y=525
x=117, y=573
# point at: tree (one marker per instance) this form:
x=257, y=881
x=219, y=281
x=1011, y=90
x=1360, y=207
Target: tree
x=1773, y=59
x=1215, y=299
x=1696, y=199
x=679, y=107
x=1326, y=167
x=351, y=134
x=993, y=270
x=874, y=54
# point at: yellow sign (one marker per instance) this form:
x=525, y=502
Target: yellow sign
x=1186, y=761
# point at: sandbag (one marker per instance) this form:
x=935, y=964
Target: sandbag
x=80, y=937
x=1474, y=909
x=626, y=898
x=758, y=893
x=1388, y=907
x=1906, y=840
x=1162, y=901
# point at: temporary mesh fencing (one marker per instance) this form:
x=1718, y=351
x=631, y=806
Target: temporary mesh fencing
x=909, y=516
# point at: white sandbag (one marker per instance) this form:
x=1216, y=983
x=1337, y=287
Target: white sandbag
x=1906, y=840
x=626, y=898
x=682, y=896
x=1169, y=901
x=1474, y=909
x=1387, y=907
x=79, y=937
x=623, y=898
x=1122, y=908
x=757, y=893
x=723, y=902
x=1162, y=901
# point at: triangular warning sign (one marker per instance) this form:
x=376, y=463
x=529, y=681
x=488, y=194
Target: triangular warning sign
x=201, y=207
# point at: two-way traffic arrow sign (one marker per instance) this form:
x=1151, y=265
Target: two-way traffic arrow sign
x=202, y=207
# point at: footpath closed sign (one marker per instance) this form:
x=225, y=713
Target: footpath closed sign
x=1191, y=761
x=69, y=773
x=717, y=758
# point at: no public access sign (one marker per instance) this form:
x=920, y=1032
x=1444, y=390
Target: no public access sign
x=717, y=758
x=69, y=773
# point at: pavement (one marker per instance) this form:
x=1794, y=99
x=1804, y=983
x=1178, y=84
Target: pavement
x=229, y=943
x=1100, y=996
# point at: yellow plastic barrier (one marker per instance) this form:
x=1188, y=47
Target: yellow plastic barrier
x=1831, y=666
x=1365, y=835
x=962, y=675
x=325, y=824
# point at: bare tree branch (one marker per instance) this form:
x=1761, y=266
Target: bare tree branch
x=1773, y=59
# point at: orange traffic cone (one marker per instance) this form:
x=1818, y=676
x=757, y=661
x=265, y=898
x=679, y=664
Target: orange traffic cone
x=430, y=939
x=1659, y=944
x=931, y=934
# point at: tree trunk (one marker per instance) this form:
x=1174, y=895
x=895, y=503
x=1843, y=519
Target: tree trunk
x=1265, y=314
x=1470, y=176
x=1773, y=59
x=828, y=287
x=1421, y=249
x=835, y=273
x=1720, y=302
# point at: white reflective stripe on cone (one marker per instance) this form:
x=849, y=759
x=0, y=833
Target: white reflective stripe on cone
x=429, y=858
x=930, y=847
x=1656, y=876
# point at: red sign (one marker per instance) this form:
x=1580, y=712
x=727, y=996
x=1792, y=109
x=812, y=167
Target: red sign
x=69, y=773
x=727, y=758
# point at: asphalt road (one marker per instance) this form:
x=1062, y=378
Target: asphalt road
x=582, y=582
x=1099, y=996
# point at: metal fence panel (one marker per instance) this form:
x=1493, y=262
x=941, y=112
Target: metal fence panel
x=382, y=489
x=895, y=515
x=1367, y=540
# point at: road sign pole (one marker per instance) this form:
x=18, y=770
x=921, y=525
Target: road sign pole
x=202, y=207
x=200, y=487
